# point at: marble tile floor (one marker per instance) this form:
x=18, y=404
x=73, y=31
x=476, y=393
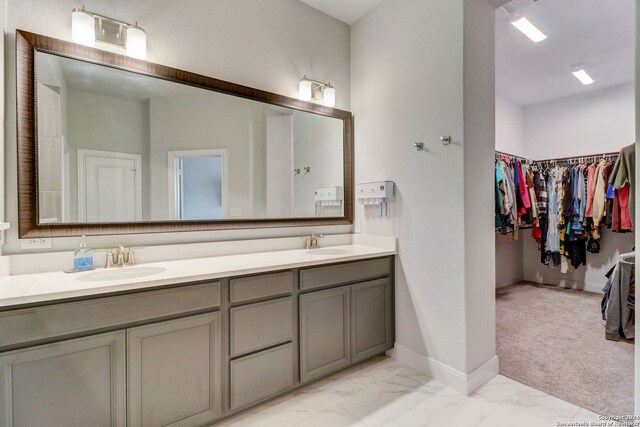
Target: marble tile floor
x=386, y=393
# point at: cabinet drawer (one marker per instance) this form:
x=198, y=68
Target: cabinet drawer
x=344, y=273
x=31, y=324
x=260, y=375
x=265, y=285
x=261, y=325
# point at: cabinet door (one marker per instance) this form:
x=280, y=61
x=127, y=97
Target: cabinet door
x=371, y=332
x=174, y=372
x=324, y=332
x=72, y=383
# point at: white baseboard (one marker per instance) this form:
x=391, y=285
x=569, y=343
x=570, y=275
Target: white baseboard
x=566, y=283
x=464, y=383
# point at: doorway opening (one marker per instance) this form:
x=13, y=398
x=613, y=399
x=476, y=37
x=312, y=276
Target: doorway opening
x=565, y=217
x=197, y=184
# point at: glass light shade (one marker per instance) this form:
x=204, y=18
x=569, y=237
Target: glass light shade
x=83, y=30
x=304, y=89
x=136, y=42
x=329, y=96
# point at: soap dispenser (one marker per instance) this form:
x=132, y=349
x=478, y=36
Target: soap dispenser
x=83, y=257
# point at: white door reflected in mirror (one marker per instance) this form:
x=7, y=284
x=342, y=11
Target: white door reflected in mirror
x=110, y=186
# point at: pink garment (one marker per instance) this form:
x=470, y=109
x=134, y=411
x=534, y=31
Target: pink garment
x=524, y=194
x=591, y=189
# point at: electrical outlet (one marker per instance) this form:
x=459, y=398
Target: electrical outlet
x=357, y=225
x=35, y=244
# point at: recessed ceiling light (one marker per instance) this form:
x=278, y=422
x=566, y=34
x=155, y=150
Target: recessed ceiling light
x=583, y=76
x=528, y=29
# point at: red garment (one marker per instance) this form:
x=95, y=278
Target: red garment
x=536, y=232
x=615, y=215
x=623, y=200
x=621, y=222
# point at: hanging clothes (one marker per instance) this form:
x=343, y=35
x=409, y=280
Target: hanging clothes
x=566, y=203
x=623, y=173
x=617, y=312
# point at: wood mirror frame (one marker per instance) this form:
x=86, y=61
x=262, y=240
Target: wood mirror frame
x=28, y=216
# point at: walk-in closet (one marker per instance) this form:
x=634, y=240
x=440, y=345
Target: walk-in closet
x=565, y=199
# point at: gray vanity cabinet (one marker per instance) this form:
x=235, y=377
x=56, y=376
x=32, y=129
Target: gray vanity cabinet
x=262, y=343
x=193, y=354
x=174, y=372
x=347, y=323
x=78, y=382
x=371, y=323
x=324, y=332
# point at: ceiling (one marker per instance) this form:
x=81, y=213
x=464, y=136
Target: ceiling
x=348, y=11
x=107, y=81
x=598, y=34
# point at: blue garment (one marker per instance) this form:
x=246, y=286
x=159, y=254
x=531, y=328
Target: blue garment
x=577, y=203
x=499, y=197
x=610, y=193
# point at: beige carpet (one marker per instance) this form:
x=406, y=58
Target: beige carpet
x=552, y=339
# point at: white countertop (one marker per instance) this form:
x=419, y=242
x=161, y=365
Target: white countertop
x=51, y=286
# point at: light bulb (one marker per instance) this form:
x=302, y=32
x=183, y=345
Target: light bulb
x=136, y=42
x=329, y=96
x=304, y=89
x=83, y=30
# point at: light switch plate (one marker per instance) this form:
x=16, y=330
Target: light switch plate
x=357, y=225
x=235, y=212
x=35, y=244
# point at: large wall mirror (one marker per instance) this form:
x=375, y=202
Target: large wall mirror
x=109, y=144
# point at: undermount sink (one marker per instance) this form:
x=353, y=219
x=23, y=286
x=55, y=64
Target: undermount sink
x=328, y=251
x=121, y=273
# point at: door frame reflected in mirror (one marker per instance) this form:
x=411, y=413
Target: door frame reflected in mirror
x=176, y=182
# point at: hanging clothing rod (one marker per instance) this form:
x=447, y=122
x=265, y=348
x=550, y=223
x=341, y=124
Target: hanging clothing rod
x=513, y=156
x=559, y=159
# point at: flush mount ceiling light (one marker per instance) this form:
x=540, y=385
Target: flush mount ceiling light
x=528, y=29
x=582, y=75
x=87, y=28
x=314, y=90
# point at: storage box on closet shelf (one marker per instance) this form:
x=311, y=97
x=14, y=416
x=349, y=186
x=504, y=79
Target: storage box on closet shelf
x=375, y=194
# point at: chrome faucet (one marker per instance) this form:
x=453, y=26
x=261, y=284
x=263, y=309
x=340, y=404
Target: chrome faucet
x=124, y=257
x=313, y=241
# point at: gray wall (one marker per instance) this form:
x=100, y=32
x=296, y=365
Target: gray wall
x=106, y=123
x=409, y=63
x=317, y=144
x=203, y=121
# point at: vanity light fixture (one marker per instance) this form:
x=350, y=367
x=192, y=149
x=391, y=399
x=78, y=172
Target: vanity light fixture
x=527, y=28
x=314, y=90
x=87, y=28
x=582, y=75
